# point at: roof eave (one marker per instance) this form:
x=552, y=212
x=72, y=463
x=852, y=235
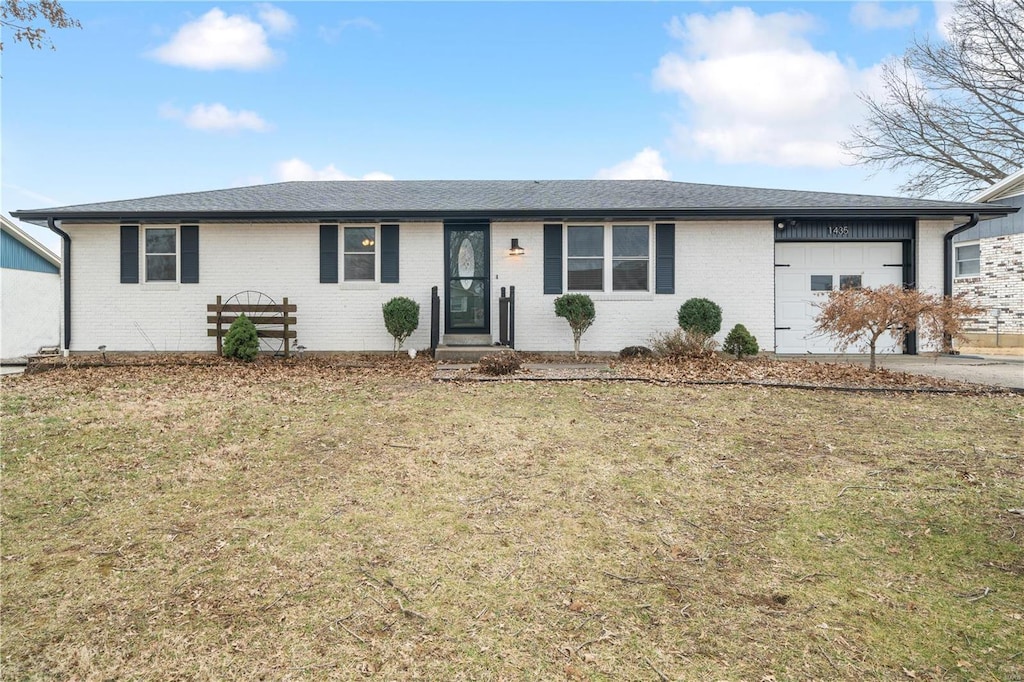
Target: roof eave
x=767, y=212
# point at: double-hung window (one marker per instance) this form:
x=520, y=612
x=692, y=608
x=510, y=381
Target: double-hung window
x=608, y=258
x=360, y=254
x=161, y=254
x=968, y=260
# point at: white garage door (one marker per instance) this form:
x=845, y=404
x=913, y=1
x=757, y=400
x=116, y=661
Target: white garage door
x=806, y=271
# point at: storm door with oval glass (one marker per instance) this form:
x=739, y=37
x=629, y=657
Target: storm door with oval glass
x=467, y=285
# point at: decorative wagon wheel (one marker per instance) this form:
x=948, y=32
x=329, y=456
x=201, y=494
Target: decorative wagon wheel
x=262, y=311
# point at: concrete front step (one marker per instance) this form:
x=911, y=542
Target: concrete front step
x=479, y=340
x=448, y=353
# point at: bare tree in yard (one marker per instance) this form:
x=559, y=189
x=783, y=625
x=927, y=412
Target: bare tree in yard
x=952, y=112
x=861, y=316
x=21, y=17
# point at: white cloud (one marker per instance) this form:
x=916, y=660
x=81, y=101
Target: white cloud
x=756, y=90
x=297, y=169
x=873, y=15
x=216, y=118
x=275, y=19
x=943, y=16
x=331, y=34
x=646, y=165
x=220, y=41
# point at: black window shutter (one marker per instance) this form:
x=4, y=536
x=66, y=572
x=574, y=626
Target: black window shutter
x=389, y=254
x=665, y=258
x=129, y=254
x=552, y=259
x=189, y=254
x=328, y=254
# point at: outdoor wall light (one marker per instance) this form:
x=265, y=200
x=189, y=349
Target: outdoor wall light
x=515, y=249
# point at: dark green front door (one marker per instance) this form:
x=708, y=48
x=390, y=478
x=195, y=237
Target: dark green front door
x=467, y=290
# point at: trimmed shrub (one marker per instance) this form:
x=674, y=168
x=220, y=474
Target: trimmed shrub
x=680, y=344
x=500, y=364
x=578, y=310
x=401, y=318
x=740, y=342
x=241, y=341
x=700, y=315
x=635, y=352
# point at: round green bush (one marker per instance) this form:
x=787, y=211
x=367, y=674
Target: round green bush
x=241, y=341
x=740, y=342
x=700, y=315
x=578, y=310
x=401, y=318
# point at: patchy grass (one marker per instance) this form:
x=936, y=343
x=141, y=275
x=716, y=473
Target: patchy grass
x=309, y=521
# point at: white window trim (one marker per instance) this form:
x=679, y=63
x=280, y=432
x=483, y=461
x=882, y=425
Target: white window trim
x=606, y=291
x=144, y=271
x=956, y=248
x=366, y=284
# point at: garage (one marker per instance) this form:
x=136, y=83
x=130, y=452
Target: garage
x=806, y=271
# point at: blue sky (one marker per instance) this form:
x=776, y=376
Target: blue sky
x=161, y=97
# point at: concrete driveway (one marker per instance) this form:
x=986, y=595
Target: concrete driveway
x=994, y=370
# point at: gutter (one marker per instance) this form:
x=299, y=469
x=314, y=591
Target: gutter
x=65, y=268
x=947, y=253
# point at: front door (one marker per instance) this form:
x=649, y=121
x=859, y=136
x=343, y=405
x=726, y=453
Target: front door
x=467, y=289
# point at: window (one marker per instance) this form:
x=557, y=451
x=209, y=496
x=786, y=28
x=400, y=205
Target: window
x=360, y=254
x=630, y=257
x=850, y=282
x=968, y=260
x=821, y=282
x=161, y=254
x=587, y=249
x=585, y=256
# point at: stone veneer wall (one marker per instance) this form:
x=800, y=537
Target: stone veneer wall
x=999, y=286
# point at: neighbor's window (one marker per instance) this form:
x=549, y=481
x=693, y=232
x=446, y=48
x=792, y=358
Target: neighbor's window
x=588, y=248
x=360, y=254
x=968, y=260
x=161, y=254
x=585, y=258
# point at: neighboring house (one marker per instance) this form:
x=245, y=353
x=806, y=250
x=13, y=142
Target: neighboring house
x=141, y=272
x=988, y=264
x=29, y=294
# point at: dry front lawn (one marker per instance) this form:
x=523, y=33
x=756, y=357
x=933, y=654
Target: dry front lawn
x=314, y=522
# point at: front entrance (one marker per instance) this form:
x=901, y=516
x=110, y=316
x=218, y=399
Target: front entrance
x=467, y=287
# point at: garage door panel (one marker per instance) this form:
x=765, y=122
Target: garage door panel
x=795, y=302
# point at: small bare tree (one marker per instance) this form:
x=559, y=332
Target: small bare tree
x=952, y=111
x=861, y=316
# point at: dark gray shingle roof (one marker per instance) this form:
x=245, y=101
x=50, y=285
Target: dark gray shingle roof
x=498, y=197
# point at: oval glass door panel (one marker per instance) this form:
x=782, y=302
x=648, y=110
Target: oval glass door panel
x=466, y=263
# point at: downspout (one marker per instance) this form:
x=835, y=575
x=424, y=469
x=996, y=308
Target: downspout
x=947, y=254
x=65, y=267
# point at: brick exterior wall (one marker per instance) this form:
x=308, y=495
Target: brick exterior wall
x=999, y=286
x=729, y=261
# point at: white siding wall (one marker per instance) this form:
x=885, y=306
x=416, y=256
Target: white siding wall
x=730, y=262
x=31, y=311
x=930, y=234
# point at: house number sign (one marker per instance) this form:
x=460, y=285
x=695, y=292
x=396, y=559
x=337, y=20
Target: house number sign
x=839, y=230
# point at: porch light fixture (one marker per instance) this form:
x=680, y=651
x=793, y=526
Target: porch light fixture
x=515, y=249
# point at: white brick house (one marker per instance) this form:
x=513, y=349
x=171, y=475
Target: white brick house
x=140, y=273
x=988, y=265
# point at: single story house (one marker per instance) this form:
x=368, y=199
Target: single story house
x=140, y=274
x=29, y=294
x=988, y=265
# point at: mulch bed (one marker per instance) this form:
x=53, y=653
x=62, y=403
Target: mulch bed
x=760, y=371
